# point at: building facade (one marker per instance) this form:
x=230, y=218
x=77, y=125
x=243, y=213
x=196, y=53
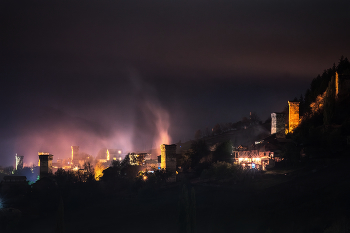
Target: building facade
x=252, y=158
x=278, y=124
x=19, y=162
x=114, y=154
x=45, y=163
x=294, y=118
x=75, y=155
x=168, y=160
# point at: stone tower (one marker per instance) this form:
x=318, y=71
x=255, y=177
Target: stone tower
x=168, y=160
x=278, y=124
x=75, y=154
x=293, y=120
x=45, y=161
x=336, y=84
x=19, y=162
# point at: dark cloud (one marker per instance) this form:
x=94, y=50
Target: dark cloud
x=87, y=71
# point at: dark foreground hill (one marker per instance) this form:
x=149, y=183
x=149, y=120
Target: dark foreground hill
x=312, y=199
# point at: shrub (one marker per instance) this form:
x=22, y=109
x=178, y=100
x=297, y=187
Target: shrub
x=220, y=170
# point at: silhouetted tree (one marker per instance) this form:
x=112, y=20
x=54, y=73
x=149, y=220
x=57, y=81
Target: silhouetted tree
x=217, y=129
x=60, y=218
x=193, y=214
x=291, y=153
x=307, y=101
x=198, y=135
x=199, y=149
x=64, y=177
x=184, y=161
x=207, y=132
x=223, y=152
x=245, y=122
x=343, y=66
x=319, y=84
x=220, y=170
x=301, y=105
x=130, y=171
x=187, y=211
x=224, y=127
x=116, y=171
x=329, y=102
x=183, y=221
x=339, y=226
x=113, y=173
x=254, y=118
x=89, y=172
x=162, y=175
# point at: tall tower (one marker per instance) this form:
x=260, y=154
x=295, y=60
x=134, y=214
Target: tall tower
x=293, y=120
x=278, y=124
x=45, y=160
x=108, y=155
x=19, y=162
x=168, y=160
x=75, y=154
x=336, y=85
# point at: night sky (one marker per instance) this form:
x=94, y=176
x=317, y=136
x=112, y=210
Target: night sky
x=116, y=74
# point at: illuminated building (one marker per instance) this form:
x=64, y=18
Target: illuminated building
x=168, y=160
x=137, y=159
x=106, y=155
x=133, y=159
x=252, y=158
x=19, y=162
x=336, y=84
x=278, y=124
x=293, y=120
x=113, y=154
x=75, y=153
x=342, y=85
x=45, y=160
x=102, y=160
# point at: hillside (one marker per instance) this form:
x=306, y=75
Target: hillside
x=237, y=137
x=324, y=130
